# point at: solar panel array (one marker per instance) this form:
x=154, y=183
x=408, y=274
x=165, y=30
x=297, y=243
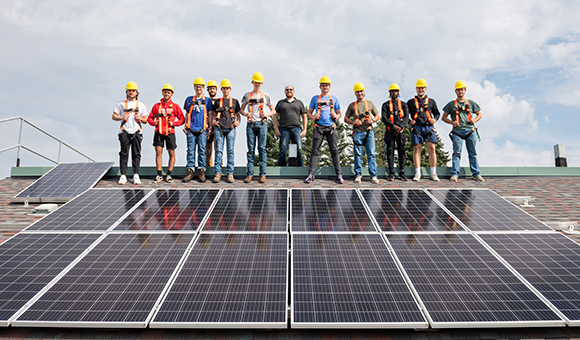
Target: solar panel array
x=336, y=257
x=64, y=182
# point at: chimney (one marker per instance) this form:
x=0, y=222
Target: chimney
x=560, y=155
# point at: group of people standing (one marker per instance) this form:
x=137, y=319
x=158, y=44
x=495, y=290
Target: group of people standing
x=210, y=122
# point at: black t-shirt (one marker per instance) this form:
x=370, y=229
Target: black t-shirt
x=290, y=113
x=422, y=116
x=225, y=120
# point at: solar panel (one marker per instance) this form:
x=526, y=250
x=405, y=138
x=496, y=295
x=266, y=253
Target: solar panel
x=170, y=210
x=230, y=280
x=258, y=210
x=94, y=210
x=116, y=284
x=28, y=262
x=463, y=285
x=408, y=210
x=64, y=182
x=329, y=210
x=349, y=280
x=550, y=262
x=484, y=210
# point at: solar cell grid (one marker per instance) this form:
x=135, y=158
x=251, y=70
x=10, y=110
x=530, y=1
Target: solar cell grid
x=64, y=182
x=484, y=210
x=170, y=210
x=94, y=210
x=329, y=210
x=349, y=280
x=463, y=285
x=117, y=282
x=259, y=210
x=550, y=262
x=408, y=210
x=230, y=279
x=28, y=262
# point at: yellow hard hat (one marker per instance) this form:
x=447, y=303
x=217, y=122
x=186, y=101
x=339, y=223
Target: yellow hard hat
x=211, y=83
x=226, y=83
x=394, y=87
x=258, y=77
x=358, y=87
x=199, y=81
x=167, y=87
x=421, y=83
x=460, y=85
x=325, y=80
x=131, y=86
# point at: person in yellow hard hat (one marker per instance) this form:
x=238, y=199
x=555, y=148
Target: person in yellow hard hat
x=256, y=127
x=395, y=115
x=165, y=116
x=225, y=117
x=362, y=114
x=461, y=111
x=212, y=88
x=131, y=113
x=197, y=108
x=424, y=114
x=324, y=109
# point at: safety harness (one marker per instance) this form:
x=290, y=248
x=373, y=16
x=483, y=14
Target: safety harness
x=392, y=112
x=127, y=109
x=418, y=110
x=163, y=126
x=201, y=103
x=319, y=109
x=365, y=116
x=260, y=101
x=225, y=131
x=468, y=110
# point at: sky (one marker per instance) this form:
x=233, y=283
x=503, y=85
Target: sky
x=64, y=65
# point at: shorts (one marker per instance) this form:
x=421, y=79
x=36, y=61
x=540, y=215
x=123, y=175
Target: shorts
x=423, y=131
x=169, y=141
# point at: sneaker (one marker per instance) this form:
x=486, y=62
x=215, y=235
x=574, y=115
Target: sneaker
x=158, y=179
x=358, y=179
x=136, y=179
x=230, y=178
x=453, y=178
x=262, y=179
x=402, y=177
x=248, y=179
x=339, y=179
x=375, y=180
x=217, y=178
x=189, y=176
x=478, y=178
x=310, y=178
x=391, y=177
x=435, y=178
x=417, y=177
x=168, y=179
x=122, y=180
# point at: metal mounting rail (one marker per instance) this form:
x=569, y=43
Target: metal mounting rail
x=20, y=146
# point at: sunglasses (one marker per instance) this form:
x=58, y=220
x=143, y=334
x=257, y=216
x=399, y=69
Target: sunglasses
x=288, y=89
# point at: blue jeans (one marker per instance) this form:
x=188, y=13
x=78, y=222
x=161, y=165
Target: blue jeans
x=470, y=145
x=285, y=136
x=251, y=141
x=193, y=142
x=219, y=150
x=358, y=138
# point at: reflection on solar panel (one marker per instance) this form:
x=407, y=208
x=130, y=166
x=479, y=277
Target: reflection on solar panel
x=550, y=262
x=329, y=210
x=170, y=210
x=349, y=280
x=64, y=182
x=408, y=210
x=28, y=262
x=96, y=209
x=250, y=210
x=115, y=284
x=484, y=210
x=463, y=285
x=230, y=280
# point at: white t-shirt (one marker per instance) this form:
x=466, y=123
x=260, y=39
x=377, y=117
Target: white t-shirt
x=130, y=125
x=256, y=106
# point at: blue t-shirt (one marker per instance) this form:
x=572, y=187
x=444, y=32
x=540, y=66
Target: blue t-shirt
x=325, y=118
x=197, y=111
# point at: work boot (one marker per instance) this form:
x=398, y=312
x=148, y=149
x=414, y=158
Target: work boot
x=375, y=180
x=136, y=179
x=478, y=178
x=453, y=178
x=248, y=179
x=358, y=179
x=339, y=179
x=230, y=178
x=217, y=178
x=262, y=179
x=201, y=175
x=189, y=176
x=310, y=178
x=122, y=180
x=158, y=179
x=168, y=179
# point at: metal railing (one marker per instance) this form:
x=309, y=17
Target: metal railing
x=20, y=146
